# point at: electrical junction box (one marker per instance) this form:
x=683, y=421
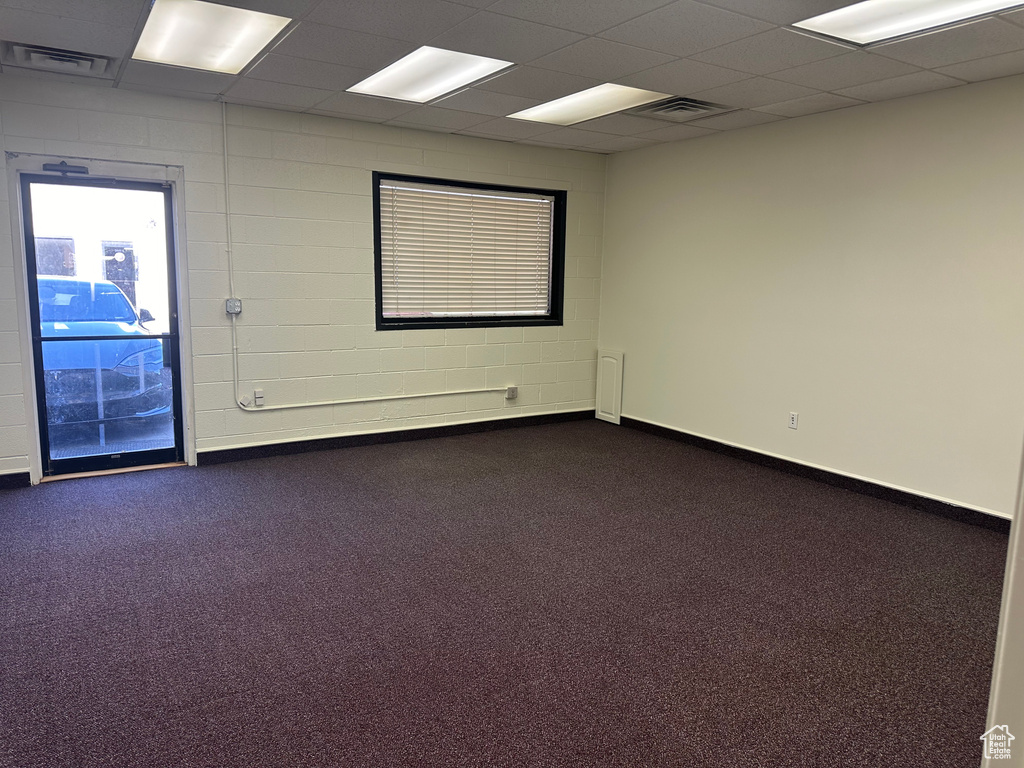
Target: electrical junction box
x=233, y=306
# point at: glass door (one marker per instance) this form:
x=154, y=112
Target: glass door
x=103, y=301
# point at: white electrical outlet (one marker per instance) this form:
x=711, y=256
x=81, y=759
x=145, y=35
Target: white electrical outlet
x=258, y=396
x=793, y=418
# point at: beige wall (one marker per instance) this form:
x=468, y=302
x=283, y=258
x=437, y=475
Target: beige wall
x=862, y=267
x=300, y=191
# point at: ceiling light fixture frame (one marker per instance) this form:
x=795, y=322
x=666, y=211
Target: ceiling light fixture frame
x=144, y=36
x=585, y=105
x=441, y=96
x=853, y=44
x=437, y=99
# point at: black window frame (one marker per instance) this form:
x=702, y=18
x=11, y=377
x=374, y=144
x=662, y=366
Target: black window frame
x=556, y=278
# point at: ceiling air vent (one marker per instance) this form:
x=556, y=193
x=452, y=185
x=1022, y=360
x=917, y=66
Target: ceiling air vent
x=679, y=109
x=55, y=60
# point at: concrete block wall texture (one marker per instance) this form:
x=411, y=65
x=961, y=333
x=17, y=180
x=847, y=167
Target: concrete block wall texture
x=14, y=440
x=300, y=197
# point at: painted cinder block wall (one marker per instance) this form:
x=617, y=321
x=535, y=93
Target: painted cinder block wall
x=300, y=196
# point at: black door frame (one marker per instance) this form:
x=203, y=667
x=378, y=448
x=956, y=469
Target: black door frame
x=170, y=339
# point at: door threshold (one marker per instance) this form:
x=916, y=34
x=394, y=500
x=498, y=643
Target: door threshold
x=116, y=471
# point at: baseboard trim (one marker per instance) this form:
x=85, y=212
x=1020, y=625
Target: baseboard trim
x=15, y=480
x=864, y=487
x=208, y=458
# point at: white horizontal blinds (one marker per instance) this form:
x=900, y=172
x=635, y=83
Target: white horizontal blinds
x=459, y=252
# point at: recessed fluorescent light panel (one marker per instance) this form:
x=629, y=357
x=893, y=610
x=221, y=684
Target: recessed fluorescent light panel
x=427, y=73
x=586, y=105
x=874, y=20
x=217, y=38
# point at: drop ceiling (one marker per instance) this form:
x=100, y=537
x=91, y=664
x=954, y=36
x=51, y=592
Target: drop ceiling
x=738, y=53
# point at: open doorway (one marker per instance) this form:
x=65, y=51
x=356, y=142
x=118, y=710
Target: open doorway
x=102, y=301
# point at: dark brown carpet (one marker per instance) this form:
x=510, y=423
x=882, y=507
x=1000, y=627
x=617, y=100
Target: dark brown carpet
x=569, y=595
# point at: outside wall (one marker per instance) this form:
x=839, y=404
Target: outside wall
x=303, y=263
x=862, y=268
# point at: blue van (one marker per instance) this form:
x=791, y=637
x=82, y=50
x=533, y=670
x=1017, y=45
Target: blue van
x=120, y=375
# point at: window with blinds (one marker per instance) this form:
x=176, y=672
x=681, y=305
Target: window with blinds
x=452, y=254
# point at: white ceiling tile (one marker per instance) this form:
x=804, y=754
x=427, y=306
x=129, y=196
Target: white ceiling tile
x=951, y=46
x=621, y=124
x=809, y=105
x=433, y=118
x=542, y=84
x=144, y=73
x=771, y=51
x=118, y=13
x=685, y=28
x=342, y=46
x=339, y=42
x=741, y=119
x=683, y=77
x=622, y=144
x=356, y=105
x=486, y=102
x=65, y=32
x=907, y=85
x=307, y=72
x=755, y=92
x=416, y=21
x=780, y=11
x=1003, y=65
x=844, y=71
x=290, y=9
x=602, y=59
x=508, y=130
x=500, y=37
x=587, y=16
x=250, y=89
x=676, y=133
